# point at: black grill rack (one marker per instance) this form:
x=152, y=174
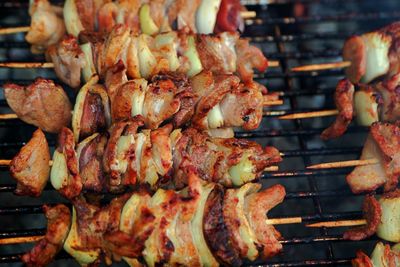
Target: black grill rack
x=294, y=32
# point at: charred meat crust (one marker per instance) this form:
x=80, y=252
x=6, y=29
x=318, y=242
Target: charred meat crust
x=344, y=94
x=30, y=167
x=372, y=212
x=362, y=260
x=66, y=145
x=59, y=221
x=42, y=103
x=93, y=117
x=216, y=232
x=90, y=164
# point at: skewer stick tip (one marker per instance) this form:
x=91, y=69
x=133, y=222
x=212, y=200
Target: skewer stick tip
x=342, y=223
x=312, y=114
x=248, y=14
x=324, y=66
x=290, y=220
x=14, y=30
x=23, y=65
x=344, y=164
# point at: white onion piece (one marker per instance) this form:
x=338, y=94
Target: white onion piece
x=377, y=49
x=206, y=16
x=71, y=17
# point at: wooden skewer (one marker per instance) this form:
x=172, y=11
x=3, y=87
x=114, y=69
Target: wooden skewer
x=344, y=164
x=49, y=65
x=271, y=169
x=14, y=30
x=338, y=223
x=20, y=240
x=27, y=65
x=275, y=221
x=324, y=66
x=311, y=114
x=8, y=116
x=272, y=102
x=273, y=64
x=7, y=162
x=248, y=14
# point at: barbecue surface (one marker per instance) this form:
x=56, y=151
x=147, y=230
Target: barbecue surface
x=292, y=32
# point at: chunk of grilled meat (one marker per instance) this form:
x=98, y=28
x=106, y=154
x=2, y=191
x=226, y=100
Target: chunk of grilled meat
x=58, y=225
x=146, y=56
x=177, y=227
x=344, y=102
x=231, y=161
x=30, y=167
x=91, y=110
x=65, y=175
x=47, y=25
x=381, y=144
x=210, y=101
x=43, y=104
x=90, y=158
x=383, y=255
x=372, y=213
x=373, y=54
x=68, y=59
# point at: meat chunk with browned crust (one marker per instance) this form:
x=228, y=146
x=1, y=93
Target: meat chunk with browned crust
x=372, y=213
x=68, y=60
x=30, y=167
x=344, y=102
x=59, y=221
x=43, y=104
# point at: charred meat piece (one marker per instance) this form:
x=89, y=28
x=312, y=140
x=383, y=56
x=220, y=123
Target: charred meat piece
x=389, y=90
x=381, y=145
x=90, y=157
x=43, y=104
x=383, y=255
x=119, y=154
x=160, y=102
x=344, y=102
x=30, y=167
x=58, y=224
x=65, y=175
x=372, y=54
x=216, y=232
x=245, y=214
x=91, y=111
x=229, y=161
x=68, y=60
x=372, y=213
x=217, y=53
x=249, y=58
x=243, y=107
x=47, y=25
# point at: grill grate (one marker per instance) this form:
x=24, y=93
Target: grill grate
x=291, y=31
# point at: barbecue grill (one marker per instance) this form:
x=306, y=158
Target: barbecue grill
x=294, y=32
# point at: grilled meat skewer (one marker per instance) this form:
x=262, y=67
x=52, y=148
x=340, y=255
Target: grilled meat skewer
x=49, y=23
x=125, y=156
x=382, y=144
x=370, y=103
x=382, y=218
x=197, y=226
x=146, y=56
x=206, y=101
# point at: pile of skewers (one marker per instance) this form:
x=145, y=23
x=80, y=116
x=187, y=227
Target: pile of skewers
x=126, y=134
